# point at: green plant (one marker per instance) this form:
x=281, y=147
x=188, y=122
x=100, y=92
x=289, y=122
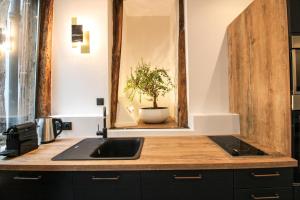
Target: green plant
x=148, y=81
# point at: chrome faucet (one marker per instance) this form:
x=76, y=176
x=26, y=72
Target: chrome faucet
x=103, y=133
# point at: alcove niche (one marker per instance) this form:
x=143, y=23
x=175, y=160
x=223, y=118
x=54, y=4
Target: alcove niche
x=148, y=33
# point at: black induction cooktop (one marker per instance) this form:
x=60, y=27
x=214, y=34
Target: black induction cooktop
x=236, y=147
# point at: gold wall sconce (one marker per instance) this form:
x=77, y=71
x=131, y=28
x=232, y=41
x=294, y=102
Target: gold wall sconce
x=80, y=38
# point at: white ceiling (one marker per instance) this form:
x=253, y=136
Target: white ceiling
x=149, y=7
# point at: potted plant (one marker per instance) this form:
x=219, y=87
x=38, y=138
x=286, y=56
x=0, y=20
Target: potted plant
x=150, y=82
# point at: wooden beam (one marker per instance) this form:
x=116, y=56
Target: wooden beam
x=43, y=94
x=182, y=82
x=116, y=58
x=259, y=74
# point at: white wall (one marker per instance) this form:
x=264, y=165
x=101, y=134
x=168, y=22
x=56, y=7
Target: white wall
x=153, y=39
x=207, y=48
x=79, y=79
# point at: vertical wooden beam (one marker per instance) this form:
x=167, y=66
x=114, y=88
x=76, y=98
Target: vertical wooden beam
x=182, y=82
x=116, y=58
x=43, y=94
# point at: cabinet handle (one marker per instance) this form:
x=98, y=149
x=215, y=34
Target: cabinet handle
x=276, y=196
x=106, y=178
x=199, y=177
x=276, y=174
x=18, y=178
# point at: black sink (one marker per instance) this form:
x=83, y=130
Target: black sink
x=119, y=149
x=103, y=149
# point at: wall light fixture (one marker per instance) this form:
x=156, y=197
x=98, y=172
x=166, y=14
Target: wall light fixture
x=80, y=38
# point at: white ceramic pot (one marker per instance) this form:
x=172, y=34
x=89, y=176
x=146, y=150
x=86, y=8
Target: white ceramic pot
x=154, y=116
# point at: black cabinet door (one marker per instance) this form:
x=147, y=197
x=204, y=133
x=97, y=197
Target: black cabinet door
x=269, y=193
x=187, y=185
x=35, y=186
x=294, y=16
x=107, y=186
x=14, y=186
x=57, y=186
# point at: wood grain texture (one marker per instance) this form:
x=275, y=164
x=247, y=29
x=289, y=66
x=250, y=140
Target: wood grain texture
x=169, y=124
x=259, y=73
x=182, y=82
x=43, y=94
x=116, y=58
x=158, y=153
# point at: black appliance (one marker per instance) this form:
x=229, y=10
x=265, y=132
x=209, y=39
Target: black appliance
x=295, y=97
x=236, y=147
x=20, y=139
x=295, y=72
x=296, y=142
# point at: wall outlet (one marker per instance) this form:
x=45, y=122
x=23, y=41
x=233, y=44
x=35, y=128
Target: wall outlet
x=100, y=101
x=67, y=126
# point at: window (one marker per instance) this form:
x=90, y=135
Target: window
x=18, y=61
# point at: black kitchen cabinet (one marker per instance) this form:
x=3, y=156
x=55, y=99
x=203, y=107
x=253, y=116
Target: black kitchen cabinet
x=107, y=185
x=294, y=16
x=35, y=186
x=297, y=192
x=251, y=184
x=243, y=184
x=189, y=185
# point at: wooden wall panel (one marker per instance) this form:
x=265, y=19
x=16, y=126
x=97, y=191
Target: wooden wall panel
x=259, y=73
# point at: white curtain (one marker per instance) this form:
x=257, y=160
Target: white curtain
x=18, y=60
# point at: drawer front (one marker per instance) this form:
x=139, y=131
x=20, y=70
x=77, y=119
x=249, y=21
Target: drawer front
x=22, y=179
x=95, y=178
x=191, y=185
x=252, y=178
x=16, y=179
x=264, y=194
x=107, y=185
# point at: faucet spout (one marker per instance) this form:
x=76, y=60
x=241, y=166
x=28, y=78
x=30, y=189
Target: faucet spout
x=103, y=133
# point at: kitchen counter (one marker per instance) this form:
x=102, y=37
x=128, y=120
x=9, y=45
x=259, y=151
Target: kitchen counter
x=159, y=153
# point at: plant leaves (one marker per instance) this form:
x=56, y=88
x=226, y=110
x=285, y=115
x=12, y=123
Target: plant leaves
x=148, y=81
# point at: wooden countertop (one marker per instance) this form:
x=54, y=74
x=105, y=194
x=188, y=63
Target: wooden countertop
x=159, y=153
